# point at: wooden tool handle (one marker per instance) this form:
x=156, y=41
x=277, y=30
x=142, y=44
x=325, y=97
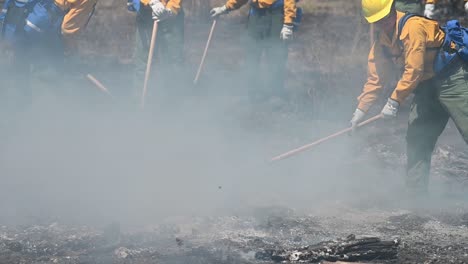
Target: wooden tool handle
x=150, y=61
x=202, y=63
x=315, y=143
x=98, y=84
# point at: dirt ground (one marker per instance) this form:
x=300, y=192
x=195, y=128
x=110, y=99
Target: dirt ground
x=425, y=237
x=348, y=187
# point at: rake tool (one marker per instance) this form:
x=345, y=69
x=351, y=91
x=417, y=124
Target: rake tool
x=150, y=61
x=315, y=143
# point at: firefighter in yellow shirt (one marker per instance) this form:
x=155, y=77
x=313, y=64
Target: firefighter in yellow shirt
x=38, y=33
x=440, y=93
x=270, y=30
x=169, y=44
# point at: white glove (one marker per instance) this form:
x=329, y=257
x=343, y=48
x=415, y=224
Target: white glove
x=287, y=32
x=358, y=117
x=2, y=14
x=466, y=7
x=160, y=12
x=390, y=109
x=429, y=11
x=217, y=11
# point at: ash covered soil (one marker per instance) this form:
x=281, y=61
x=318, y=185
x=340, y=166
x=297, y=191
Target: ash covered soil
x=422, y=238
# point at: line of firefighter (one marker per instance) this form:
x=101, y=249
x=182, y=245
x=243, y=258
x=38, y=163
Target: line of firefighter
x=270, y=28
x=52, y=24
x=412, y=49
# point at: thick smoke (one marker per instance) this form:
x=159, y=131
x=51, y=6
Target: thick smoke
x=79, y=156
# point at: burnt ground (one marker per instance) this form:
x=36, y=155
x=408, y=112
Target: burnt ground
x=347, y=187
x=425, y=238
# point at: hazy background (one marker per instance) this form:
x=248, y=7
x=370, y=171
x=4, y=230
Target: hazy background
x=79, y=156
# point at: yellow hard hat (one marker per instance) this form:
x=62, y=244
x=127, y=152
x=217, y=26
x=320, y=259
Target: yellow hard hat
x=374, y=10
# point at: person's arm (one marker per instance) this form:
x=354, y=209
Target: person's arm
x=379, y=66
x=78, y=16
x=289, y=12
x=235, y=4
x=174, y=6
x=414, y=42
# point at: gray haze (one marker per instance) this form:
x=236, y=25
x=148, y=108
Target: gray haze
x=78, y=156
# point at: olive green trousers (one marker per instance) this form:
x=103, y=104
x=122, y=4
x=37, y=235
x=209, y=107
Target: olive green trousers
x=263, y=40
x=435, y=101
x=169, y=49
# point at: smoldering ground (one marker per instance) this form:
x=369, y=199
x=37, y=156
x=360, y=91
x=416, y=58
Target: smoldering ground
x=195, y=163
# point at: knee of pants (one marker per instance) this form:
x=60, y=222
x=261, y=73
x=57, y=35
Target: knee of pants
x=423, y=133
x=417, y=143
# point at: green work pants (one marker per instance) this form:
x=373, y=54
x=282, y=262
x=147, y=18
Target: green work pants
x=264, y=30
x=32, y=69
x=434, y=103
x=409, y=6
x=169, y=49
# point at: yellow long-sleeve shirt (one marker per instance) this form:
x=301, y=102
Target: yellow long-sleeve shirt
x=78, y=12
x=174, y=5
x=415, y=58
x=289, y=7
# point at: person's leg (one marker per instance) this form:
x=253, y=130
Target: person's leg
x=171, y=39
x=144, y=24
x=21, y=88
x=257, y=29
x=453, y=96
x=17, y=49
x=171, y=68
x=427, y=120
x=277, y=58
x=48, y=68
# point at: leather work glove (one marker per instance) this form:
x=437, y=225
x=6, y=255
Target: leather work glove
x=287, y=32
x=358, y=117
x=429, y=11
x=466, y=7
x=218, y=11
x=390, y=109
x=160, y=12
